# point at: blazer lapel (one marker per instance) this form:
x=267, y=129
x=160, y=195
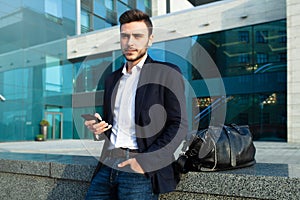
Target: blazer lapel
x=142, y=87
x=113, y=88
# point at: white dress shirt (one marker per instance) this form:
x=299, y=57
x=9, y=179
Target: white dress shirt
x=123, y=130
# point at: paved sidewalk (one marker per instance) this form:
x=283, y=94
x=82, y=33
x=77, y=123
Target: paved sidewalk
x=277, y=152
x=62, y=147
x=266, y=152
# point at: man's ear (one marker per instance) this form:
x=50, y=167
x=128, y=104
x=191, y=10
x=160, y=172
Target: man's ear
x=150, y=40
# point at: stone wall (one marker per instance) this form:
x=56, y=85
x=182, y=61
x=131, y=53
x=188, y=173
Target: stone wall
x=42, y=176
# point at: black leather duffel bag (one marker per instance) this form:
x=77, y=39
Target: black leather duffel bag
x=218, y=148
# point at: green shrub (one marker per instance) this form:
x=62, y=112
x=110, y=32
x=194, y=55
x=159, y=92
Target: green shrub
x=44, y=123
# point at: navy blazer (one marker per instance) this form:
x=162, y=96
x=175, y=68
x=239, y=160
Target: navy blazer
x=160, y=118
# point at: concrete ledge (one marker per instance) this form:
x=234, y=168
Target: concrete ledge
x=44, y=176
x=78, y=168
x=261, y=181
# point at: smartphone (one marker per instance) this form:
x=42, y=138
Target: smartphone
x=90, y=117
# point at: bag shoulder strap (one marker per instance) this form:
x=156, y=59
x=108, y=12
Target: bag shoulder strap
x=189, y=139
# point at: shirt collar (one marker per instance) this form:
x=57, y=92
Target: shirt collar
x=139, y=65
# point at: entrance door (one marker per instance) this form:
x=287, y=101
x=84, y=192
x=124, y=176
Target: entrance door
x=55, y=129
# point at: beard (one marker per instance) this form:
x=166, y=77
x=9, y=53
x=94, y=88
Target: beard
x=139, y=56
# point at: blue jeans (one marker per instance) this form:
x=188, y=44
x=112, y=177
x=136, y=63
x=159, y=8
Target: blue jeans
x=115, y=184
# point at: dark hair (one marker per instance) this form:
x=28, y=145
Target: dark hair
x=135, y=15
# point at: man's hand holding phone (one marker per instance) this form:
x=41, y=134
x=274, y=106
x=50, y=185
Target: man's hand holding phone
x=95, y=124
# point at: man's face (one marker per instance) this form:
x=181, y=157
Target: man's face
x=135, y=40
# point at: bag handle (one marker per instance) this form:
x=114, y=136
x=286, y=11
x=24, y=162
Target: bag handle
x=236, y=127
x=232, y=147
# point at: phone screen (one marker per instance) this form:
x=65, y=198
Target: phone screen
x=90, y=117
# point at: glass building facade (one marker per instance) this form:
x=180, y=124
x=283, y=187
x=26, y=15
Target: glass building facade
x=39, y=82
x=252, y=61
x=36, y=78
x=99, y=14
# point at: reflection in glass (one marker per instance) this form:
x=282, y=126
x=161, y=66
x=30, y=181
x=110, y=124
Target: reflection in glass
x=252, y=63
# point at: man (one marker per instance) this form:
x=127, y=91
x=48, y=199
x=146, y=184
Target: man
x=144, y=120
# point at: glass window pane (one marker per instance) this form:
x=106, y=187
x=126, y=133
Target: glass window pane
x=271, y=47
x=244, y=36
x=140, y=4
x=261, y=36
x=121, y=8
x=69, y=11
x=109, y=4
x=92, y=73
x=85, y=21
x=54, y=7
x=53, y=75
x=100, y=23
x=100, y=8
x=16, y=83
